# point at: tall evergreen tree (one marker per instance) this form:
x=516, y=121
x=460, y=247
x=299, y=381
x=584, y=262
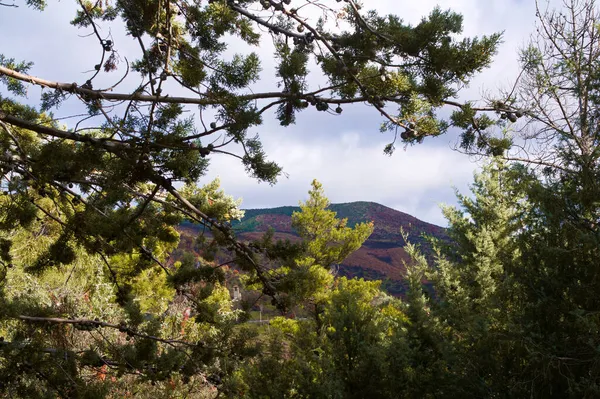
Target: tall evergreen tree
x=340, y=351
x=114, y=184
x=560, y=255
x=518, y=286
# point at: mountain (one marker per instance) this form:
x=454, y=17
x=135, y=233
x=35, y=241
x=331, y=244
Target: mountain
x=381, y=257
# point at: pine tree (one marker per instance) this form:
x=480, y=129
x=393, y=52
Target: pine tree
x=518, y=286
x=111, y=186
x=341, y=350
x=560, y=254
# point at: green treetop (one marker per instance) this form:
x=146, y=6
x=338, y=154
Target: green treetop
x=329, y=240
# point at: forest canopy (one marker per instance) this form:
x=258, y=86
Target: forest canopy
x=94, y=304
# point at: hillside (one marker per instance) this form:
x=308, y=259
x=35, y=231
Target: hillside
x=381, y=256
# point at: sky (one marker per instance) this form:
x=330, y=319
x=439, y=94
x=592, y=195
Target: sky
x=344, y=152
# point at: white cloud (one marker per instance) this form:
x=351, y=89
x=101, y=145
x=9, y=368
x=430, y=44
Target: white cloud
x=340, y=152
x=353, y=168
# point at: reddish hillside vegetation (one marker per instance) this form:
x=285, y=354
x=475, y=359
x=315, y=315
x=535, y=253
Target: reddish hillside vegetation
x=381, y=257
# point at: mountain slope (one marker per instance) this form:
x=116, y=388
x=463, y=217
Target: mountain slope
x=381, y=257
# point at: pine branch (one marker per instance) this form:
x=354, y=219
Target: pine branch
x=266, y=24
x=97, y=323
x=242, y=249
x=90, y=94
x=74, y=88
x=114, y=146
x=109, y=144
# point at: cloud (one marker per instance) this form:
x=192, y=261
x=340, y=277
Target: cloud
x=353, y=168
x=343, y=152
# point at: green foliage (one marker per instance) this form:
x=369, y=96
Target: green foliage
x=117, y=313
x=326, y=242
x=13, y=85
x=213, y=202
x=188, y=271
x=330, y=241
x=37, y=4
x=344, y=358
x=92, y=303
x=513, y=312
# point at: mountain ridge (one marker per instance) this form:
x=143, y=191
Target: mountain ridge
x=381, y=257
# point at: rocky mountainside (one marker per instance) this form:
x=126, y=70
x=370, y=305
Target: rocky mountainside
x=381, y=257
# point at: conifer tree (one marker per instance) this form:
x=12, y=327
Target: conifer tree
x=113, y=185
x=303, y=272
x=516, y=289
x=340, y=351
x=559, y=241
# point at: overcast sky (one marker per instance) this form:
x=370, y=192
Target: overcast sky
x=345, y=153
